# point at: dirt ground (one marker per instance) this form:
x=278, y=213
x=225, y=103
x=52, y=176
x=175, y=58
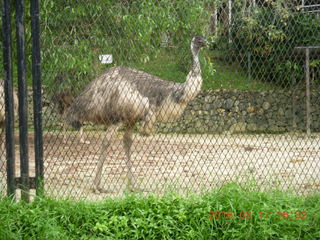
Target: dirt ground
x=180, y=163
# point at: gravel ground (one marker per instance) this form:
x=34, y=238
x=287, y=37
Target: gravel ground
x=180, y=163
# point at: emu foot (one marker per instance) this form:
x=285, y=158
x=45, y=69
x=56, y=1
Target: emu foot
x=135, y=188
x=146, y=131
x=145, y=134
x=98, y=190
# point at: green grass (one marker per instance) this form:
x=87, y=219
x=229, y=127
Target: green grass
x=169, y=217
x=166, y=66
x=232, y=77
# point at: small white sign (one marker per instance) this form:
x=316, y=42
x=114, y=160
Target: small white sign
x=106, y=58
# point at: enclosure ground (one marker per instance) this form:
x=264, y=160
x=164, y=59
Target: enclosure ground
x=180, y=163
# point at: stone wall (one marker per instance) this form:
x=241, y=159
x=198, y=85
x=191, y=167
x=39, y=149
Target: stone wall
x=216, y=111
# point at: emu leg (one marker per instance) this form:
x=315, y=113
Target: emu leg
x=82, y=140
x=148, y=124
x=111, y=131
x=64, y=127
x=81, y=135
x=127, y=142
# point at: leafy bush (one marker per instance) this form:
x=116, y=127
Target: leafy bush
x=74, y=34
x=264, y=38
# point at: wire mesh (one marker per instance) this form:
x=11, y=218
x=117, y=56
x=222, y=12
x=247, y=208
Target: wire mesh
x=248, y=123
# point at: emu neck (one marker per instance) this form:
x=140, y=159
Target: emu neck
x=193, y=83
x=195, y=57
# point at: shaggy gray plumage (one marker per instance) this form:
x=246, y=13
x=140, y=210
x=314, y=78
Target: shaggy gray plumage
x=123, y=95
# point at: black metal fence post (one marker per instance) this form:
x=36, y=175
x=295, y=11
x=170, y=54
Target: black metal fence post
x=8, y=88
x=37, y=103
x=22, y=90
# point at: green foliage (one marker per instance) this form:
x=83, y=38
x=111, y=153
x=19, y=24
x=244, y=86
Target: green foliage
x=74, y=33
x=134, y=32
x=168, y=217
x=269, y=33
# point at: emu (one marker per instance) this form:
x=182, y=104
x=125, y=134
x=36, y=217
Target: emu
x=62, y=101
x=123, y=96
x=2, y=120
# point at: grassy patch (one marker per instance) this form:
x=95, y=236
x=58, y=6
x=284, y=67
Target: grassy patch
x=166, y=66
x=252, y=215
x=232, y=77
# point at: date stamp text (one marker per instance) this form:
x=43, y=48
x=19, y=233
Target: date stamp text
x=258, y=214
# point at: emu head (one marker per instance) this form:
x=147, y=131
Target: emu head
x=197, y=43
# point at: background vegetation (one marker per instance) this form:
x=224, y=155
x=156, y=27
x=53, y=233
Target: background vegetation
x=169, y=217
x=155, y=35
x=264, y=37
x=134, y=32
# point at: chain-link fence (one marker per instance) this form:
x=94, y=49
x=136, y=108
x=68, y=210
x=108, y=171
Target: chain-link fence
x=234, y=105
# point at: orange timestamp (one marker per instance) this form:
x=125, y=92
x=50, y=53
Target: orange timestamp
x=257, y=214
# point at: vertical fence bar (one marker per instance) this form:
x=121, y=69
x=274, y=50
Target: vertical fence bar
x=308, y=107
x=249, y=64
x=23, y=111
x=229, y=19
x=37, y=103
x=8, y=88
x=215, y=21
x=293, y=103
